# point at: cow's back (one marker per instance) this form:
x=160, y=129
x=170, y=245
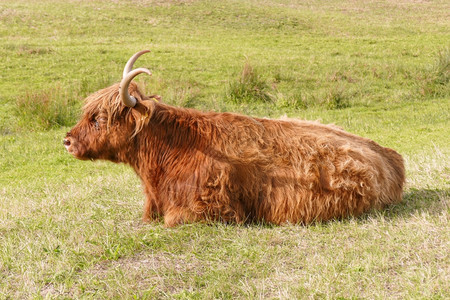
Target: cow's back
x=319, y=172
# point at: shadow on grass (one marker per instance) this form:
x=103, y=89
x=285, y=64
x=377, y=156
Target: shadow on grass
x=417, y=201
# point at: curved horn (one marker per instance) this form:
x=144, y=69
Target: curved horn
x=130, y=62
x=128, y=100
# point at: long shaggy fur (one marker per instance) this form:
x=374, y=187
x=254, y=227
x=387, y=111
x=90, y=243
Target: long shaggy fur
x=198, y=166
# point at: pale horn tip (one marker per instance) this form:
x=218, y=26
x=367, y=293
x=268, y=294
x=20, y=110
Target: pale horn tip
x=131, y=61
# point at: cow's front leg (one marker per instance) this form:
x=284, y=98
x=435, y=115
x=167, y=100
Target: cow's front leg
x=179, y=215
x=150, y=212
x=152, y=208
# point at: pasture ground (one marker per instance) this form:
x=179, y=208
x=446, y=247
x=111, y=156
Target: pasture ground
x=72, y=229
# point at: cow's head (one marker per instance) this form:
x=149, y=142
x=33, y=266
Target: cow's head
x=111, y=118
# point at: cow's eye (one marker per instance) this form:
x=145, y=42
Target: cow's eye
x=96, y=125
x=98, y=121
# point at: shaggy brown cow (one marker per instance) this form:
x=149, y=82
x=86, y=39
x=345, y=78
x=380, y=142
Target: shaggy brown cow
x=198, y=166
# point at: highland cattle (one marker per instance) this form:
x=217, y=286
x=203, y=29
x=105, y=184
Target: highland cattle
x=208, y=166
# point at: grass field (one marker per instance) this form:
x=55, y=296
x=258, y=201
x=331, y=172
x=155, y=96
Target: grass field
x=72, y=229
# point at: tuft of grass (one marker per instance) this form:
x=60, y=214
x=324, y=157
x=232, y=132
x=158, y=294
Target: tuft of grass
x=55, y=106
x=250, y=87
x=51, y=108
x=337, y=99
x=296, y=100
x=435, y=82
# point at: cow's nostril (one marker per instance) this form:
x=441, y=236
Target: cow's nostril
x=66, y=142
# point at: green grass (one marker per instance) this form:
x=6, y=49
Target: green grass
x=72, y=229
x=249, y=87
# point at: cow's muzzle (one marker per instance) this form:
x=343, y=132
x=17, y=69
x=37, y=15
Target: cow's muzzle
x=68, y=143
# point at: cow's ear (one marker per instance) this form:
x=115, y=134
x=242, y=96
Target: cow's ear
x=143, y=109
